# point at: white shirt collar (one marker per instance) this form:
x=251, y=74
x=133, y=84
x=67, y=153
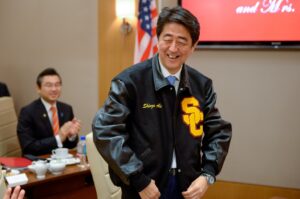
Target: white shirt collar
x=47, y=105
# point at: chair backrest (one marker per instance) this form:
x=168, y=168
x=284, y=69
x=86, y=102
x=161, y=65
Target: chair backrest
x=9, y=143
x=2, y=184
x=104, y=187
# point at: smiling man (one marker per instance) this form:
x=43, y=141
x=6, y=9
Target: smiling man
x=159, y=129
x=46, y=123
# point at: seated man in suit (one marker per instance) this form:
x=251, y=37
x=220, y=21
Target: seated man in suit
x=3, y=90
x=46, y=123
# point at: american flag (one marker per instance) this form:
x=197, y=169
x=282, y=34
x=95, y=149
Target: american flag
x=146, y=40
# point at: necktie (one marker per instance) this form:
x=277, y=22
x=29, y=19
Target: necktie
x=55, y=123
x=171, y=79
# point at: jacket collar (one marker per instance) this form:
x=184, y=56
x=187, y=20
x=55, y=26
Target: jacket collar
x=160, y=81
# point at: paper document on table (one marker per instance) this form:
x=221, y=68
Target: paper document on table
x=16, y=180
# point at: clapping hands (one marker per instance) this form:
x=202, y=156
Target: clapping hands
x=70, y=129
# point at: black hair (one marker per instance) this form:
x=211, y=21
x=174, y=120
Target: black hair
x=46, y=72
x=181, y=16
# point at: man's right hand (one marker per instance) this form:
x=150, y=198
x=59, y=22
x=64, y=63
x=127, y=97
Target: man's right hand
x=150, y=192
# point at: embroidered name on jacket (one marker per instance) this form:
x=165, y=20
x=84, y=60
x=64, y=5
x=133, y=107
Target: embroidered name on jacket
x=193, y=116
x=152, y=106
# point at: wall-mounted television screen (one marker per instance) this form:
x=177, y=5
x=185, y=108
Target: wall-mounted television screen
x=247, y=23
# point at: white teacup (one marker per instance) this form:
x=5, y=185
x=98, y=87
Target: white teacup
x=56, y=167
x=60, y=152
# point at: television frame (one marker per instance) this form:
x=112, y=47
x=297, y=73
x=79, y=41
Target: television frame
x=247, y=45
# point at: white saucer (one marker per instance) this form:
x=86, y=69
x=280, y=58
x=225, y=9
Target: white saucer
x=71, y=161
x=53, y=156
x=57, y=173
x=67, y=161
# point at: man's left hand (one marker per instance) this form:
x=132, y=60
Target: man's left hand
x=75, y=127
x=197, y=189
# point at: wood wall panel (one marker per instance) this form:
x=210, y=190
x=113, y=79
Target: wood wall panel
x=115, y=49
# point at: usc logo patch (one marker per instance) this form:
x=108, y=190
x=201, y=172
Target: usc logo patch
x=193, y=116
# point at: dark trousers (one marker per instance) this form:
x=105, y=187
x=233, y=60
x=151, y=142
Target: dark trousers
x=172, y=190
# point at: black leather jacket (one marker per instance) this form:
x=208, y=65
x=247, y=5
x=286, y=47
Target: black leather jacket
x=143, y=120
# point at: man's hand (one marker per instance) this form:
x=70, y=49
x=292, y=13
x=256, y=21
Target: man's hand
x=197, y=189
x=17, y=193
x=69, y=129
x=150, y=192
x=75, y=128
x=64, y=131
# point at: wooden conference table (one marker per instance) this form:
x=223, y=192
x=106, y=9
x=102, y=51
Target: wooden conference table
x=75, y=182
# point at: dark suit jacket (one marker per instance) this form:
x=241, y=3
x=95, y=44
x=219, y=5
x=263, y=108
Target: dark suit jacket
x=35, y=130
x=3, y=90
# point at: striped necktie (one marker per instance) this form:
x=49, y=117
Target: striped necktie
x=55, y=122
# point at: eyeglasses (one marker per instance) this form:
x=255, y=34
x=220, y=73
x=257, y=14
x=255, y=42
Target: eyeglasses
x=50, y=85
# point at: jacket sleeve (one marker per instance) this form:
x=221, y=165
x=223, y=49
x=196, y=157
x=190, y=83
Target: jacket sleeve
x=111, y=137
x=217, y=135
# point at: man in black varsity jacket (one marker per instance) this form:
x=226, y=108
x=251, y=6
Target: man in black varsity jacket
x=159, y=129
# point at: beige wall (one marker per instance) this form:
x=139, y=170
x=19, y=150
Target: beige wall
x=258, y=91
x=36, y=34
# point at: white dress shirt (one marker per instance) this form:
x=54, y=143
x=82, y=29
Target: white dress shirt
x=166, y=73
